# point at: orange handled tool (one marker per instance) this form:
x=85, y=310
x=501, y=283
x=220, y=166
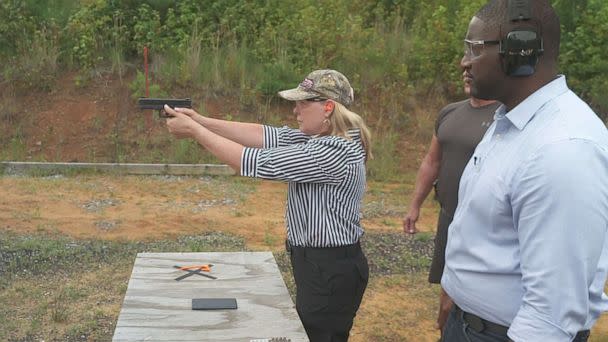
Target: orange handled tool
x=196, y=269
x=205, y=268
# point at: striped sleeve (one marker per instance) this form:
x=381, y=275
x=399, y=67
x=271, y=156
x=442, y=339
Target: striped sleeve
x=249, y=161
x=323, y=160
x=283, y=136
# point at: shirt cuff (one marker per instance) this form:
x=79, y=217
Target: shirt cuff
x=528, y=326
x=249, y=162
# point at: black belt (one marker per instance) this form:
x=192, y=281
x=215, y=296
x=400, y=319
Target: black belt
x=480, y=325
x=324, y=252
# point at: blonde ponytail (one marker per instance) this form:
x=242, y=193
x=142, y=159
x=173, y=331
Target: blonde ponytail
x=342, y=119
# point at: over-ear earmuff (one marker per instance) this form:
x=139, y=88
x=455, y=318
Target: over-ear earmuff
x=521, y=48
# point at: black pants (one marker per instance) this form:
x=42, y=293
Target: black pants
x=330, y=285
x=441, y=240
x=457, y=330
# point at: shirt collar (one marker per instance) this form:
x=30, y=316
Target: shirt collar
x=525, y=111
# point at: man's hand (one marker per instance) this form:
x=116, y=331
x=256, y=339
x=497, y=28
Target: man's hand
x=445, y=305
x=409, y=221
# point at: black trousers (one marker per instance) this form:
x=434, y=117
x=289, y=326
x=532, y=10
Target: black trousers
x=441, y=240
x=330, y=285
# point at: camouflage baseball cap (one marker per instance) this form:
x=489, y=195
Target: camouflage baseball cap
x=325, y=83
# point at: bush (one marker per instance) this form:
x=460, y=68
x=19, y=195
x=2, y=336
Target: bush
x=583, y=57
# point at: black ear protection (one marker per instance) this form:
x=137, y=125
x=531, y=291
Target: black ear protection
x=521, y=47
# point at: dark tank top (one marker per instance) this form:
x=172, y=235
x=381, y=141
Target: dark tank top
x=459, y=128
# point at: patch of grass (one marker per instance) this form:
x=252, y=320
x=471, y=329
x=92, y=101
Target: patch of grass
x=27, y=216
x=269, y=238
x=387, y=254
x=424, y=237
x=389, y=223
x=396, y=253
x=384, y=200
x=282, y=259
x=373, y=209
x=46, y=171
x=237, y=188
x=239, y=212
x=397, y=308
x=41, y=254
x=59, y=309
x=60, y=289
x=17, y=150
x=386, y=161
x=186, y=151
x=380, y=208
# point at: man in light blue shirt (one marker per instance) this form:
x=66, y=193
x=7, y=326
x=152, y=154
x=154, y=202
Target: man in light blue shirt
x=527, y=251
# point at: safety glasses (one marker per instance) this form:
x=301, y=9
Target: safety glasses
x=474, y=48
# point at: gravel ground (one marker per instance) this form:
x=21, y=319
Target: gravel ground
x=387, y=253
x=24, y=257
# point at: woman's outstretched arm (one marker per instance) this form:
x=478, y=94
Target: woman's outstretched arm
x=226, y=150
x=244, y=133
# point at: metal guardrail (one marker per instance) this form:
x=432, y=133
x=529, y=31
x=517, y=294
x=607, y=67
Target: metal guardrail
x=29, y=168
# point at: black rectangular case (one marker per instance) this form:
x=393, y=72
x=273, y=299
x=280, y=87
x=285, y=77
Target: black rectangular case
x=213, y=303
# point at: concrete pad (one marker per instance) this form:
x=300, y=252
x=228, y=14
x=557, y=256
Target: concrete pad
x=158, y=308
x=20, y=168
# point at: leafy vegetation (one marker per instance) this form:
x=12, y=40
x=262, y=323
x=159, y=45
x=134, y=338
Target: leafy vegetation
x=401, y=56
x=384, y=46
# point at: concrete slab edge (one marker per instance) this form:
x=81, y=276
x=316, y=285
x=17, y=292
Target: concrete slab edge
x=43, y=168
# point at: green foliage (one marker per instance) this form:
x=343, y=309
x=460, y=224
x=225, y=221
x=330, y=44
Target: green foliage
x=28, y=49
x=277, y=76
x=138, y=87
x=393, y=51
x=438, y=30
x=90, y=30
x=37, y=66
x=186, y=152
x=55, y=10
x=384, y=165
x=583, y=57
x=146, y=29
x=16, y=25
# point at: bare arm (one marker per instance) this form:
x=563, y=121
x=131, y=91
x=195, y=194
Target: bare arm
x=183, y=126
x=244, y=133
x=427, y=174
x=445, y=305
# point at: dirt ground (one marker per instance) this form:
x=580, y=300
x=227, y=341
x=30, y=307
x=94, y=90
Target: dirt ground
x=136, y=208
x=148, y=208
x=79, y=124
x=70, y=124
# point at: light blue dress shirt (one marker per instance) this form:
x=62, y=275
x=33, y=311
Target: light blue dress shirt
x=528, y=246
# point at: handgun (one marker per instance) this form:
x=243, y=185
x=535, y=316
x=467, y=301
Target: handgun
x=158, y=104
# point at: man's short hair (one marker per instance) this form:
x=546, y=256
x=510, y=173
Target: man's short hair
x=495, y=15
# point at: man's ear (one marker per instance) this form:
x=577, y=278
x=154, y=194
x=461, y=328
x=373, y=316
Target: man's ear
x=329, y=106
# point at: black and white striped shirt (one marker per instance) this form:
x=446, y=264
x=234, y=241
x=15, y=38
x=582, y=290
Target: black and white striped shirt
x=326, y=178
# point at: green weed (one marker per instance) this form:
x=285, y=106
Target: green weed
x=385, y=164
x=269, y=238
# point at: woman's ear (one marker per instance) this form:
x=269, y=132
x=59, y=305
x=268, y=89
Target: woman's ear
x=329, y=106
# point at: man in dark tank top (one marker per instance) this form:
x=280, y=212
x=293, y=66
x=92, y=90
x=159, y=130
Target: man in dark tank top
x=458, y=129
